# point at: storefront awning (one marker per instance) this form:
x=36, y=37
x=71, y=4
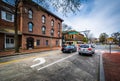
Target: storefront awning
x=8, y=31
x=73, y=32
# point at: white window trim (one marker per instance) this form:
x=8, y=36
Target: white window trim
x=3, y=16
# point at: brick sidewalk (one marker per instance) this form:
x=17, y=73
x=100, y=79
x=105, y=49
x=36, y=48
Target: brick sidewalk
x=111, y=64
x=12, y=52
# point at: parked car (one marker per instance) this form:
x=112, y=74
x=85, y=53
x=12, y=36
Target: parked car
x=88, y=49
x=69, y=48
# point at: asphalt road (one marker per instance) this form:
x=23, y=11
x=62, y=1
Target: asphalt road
x=50, y=66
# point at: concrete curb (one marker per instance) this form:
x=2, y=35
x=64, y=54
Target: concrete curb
x=101, y=69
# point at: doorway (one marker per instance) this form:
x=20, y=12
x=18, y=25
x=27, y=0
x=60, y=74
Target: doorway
x=30, y=43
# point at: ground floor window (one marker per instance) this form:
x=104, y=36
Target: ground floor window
x=56, y=42
x=9, y=42
x=38, y=42
x=46, y=42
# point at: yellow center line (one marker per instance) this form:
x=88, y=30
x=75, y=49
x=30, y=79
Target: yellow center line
x=18, y=60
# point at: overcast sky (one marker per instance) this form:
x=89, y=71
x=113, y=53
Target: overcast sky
x=96, y=15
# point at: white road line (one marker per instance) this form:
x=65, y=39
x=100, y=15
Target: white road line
x=41, y=61
x=55, y=62
x=105, y=51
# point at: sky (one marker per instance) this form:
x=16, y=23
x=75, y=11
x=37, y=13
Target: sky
x=98, y=16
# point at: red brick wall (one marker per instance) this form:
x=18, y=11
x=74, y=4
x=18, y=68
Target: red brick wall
x=37, y=14
x=37, y=26
x=1, y=41
x=51, y=42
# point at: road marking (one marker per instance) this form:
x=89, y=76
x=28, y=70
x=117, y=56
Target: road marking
x=41, y=61
x=55, y=62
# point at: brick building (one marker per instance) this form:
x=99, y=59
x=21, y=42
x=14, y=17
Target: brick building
x=37, y=27
x=73, y=37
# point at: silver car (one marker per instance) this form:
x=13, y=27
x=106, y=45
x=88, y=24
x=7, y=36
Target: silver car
x=86, y=49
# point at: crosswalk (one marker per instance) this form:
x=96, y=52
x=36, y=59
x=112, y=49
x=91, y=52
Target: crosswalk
x=104, y=51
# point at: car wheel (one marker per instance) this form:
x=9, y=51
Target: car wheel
x=63, y=51
x=79, y=53
x=91, y=54
x=75, y=50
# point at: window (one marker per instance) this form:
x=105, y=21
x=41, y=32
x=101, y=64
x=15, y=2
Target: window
x=30, y=14
x=30, y=26
x=59, y=26
x=58, y=33
x=11, y=2
x=43, y=19
x=46, y=42
x=56, y=43
x=52, y=22
x=43, y=29
x=7, y=16
x=9, y=40
x=12, y=41
x=52, y=32
x=38, y=42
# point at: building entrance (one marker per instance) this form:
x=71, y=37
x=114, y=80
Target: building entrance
x=30, y=43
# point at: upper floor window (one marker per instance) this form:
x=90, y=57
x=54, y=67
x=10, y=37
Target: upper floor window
x=59, y=26
x=52, y=32
x=30, y=26
x=43, y=29
x=30, y=14
x=52, y=22
x=43, y=19
x=11, y=2
x=7, y=16
x=58, y=33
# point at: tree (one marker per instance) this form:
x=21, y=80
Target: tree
x=87, y=34
x=85, y=40
x=65, y=27
x=91, y=38
x=103, y=37
x=65, y=6
x=16, y=26
x=115, y=36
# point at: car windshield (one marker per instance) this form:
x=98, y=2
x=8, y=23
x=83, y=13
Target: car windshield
x=84, y=46
x=68, y=46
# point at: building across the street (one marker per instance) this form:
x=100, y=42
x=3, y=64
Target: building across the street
x=37, y=27
x=72, y=37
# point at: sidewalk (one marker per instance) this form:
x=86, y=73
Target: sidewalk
x=12, y=52
x=111, y=64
